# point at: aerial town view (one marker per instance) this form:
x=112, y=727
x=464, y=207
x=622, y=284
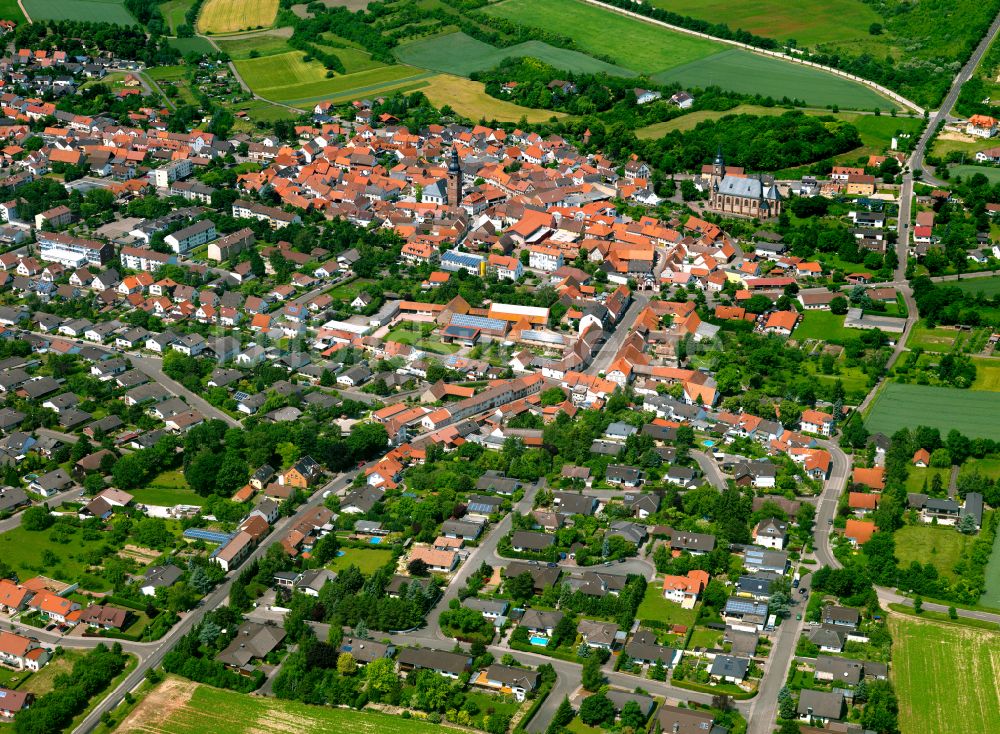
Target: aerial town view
x=499, y=366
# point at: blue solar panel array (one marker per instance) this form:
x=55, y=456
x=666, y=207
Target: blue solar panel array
x=478, y=322
x=209, y=536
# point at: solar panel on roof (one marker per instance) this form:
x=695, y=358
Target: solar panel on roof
x=478, y=322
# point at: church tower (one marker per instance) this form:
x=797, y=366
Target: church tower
x=719, y=166
x=454, y=179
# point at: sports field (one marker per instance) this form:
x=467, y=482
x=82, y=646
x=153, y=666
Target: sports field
x=826, y=326
x=945, y=676
x=743, y=71
x=288, y=78
x=230, y=16
x=908, y=406
x=107, y=11
x=178, y=706
x=807, y=21
x=631, y=43
x=468, y=98
x=457, y=53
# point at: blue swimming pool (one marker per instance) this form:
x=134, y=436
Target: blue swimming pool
x=540, y=641
x=708, y=444
x=375, y=541
x=340, y=553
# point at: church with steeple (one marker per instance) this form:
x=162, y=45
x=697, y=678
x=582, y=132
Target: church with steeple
x=454, y=179
x=733, y=193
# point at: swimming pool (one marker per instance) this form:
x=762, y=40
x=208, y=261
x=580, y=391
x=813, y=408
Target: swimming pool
x=708, y=444
x=539, y=641
x=374, y=541
x=340, y=553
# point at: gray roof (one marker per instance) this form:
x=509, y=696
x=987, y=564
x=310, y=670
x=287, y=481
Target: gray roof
x=162, y=576
x=513, y=677
x=843, y=670
x=446, y=662
x=728, y=666
x=748, y=187
x=823, y=704
x=252, y=641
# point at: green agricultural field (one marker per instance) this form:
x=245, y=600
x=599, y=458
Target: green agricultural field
x=744, y=71
x=940, y=546
x=824, y=325
x=265, y=44
x=288, y=78
x=10, y=10
x=194, y=44
x=908, y=406
x=808, y=21
x=945, y=676
x=178, y=706
x=368, y=560
x=457, y=53
x=631, y=43
x=108, y=11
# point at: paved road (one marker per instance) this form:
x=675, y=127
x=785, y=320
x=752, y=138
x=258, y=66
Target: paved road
x=889, y=596
x=826, y=507
x=710, y=468
x=153, y=367
x=624, y=327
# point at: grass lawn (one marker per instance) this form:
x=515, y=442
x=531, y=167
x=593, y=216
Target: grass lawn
x=457, y=53
x=367, y=560
x=169, y=488
x=991, y=595
x=23, y=550
x=411, y=336
x=938, y=545
x=807, y=21
x=182, y=707
x=704, y=637
x=43, y=681
x=229, y=16
x=989, y=286
x=173, y=11
x=655, y=607
x=689, y=121
x=966, y=171
x=468, y=98
x=988, y=465
x=987, y=375
x=938, y=339
x=898, y=406
x=578, y=727
x=745, y=71
x=631, y=43
x=107, y=11
x=915, y=479
x=945, y=676
x=824, y=325
x=347, y=291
